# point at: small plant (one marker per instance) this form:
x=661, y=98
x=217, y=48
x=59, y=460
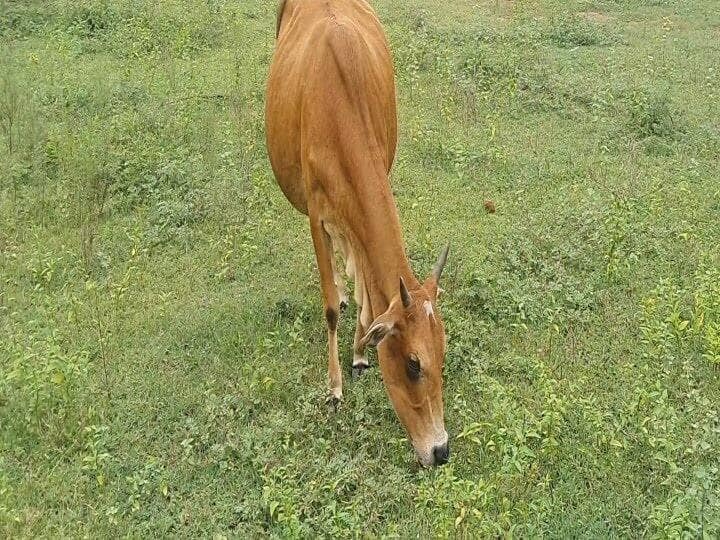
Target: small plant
x=691, y=512
x=227, y=245
x=91, y=207
x=43, y=375
x=170, y=220
x=712, y=344
x=454, y=506
x=618, y=228
x=706, y=310
x=281, y=500
x=8, y=514
x=98, y=319
x=576, y=31
x=652, y=115
x=96, y=456
x=12, y=103
x=144, y=484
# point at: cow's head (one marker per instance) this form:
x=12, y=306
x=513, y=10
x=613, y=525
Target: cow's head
x=410, y=338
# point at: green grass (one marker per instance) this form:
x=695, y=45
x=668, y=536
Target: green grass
x=162, y=359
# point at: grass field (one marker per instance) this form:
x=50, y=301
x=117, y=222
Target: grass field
x=162, y=345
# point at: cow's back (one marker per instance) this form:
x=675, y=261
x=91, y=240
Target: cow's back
x=330, y=97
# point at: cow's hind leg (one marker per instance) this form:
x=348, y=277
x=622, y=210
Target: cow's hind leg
x=340, y=285
x=359, y=363
x=331, y=301
x=339, y=249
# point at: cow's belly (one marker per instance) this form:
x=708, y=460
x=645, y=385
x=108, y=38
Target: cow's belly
x=282, y=128
x=284, y=150
x=289, y=177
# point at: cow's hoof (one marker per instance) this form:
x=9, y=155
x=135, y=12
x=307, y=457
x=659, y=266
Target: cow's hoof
x=344, y=303
x=333, y=402
x=358, y=370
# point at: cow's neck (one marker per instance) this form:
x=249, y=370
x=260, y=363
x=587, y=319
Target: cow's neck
x=381, y=250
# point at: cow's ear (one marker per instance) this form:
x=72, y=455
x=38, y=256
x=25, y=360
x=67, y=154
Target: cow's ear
x=380, y=328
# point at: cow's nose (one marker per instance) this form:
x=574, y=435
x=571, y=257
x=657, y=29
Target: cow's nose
x=442, y=454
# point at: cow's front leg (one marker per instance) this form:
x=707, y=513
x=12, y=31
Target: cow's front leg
x=331, y=302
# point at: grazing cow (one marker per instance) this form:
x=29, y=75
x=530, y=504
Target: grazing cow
x=331, y=128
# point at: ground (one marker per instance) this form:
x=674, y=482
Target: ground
x=162, y=361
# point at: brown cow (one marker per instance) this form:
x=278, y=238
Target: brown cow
x=331, y=135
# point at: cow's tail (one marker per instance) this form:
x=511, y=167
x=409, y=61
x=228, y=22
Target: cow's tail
x=280, y=11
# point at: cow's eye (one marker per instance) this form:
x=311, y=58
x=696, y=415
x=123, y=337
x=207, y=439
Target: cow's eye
x=413, y=368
